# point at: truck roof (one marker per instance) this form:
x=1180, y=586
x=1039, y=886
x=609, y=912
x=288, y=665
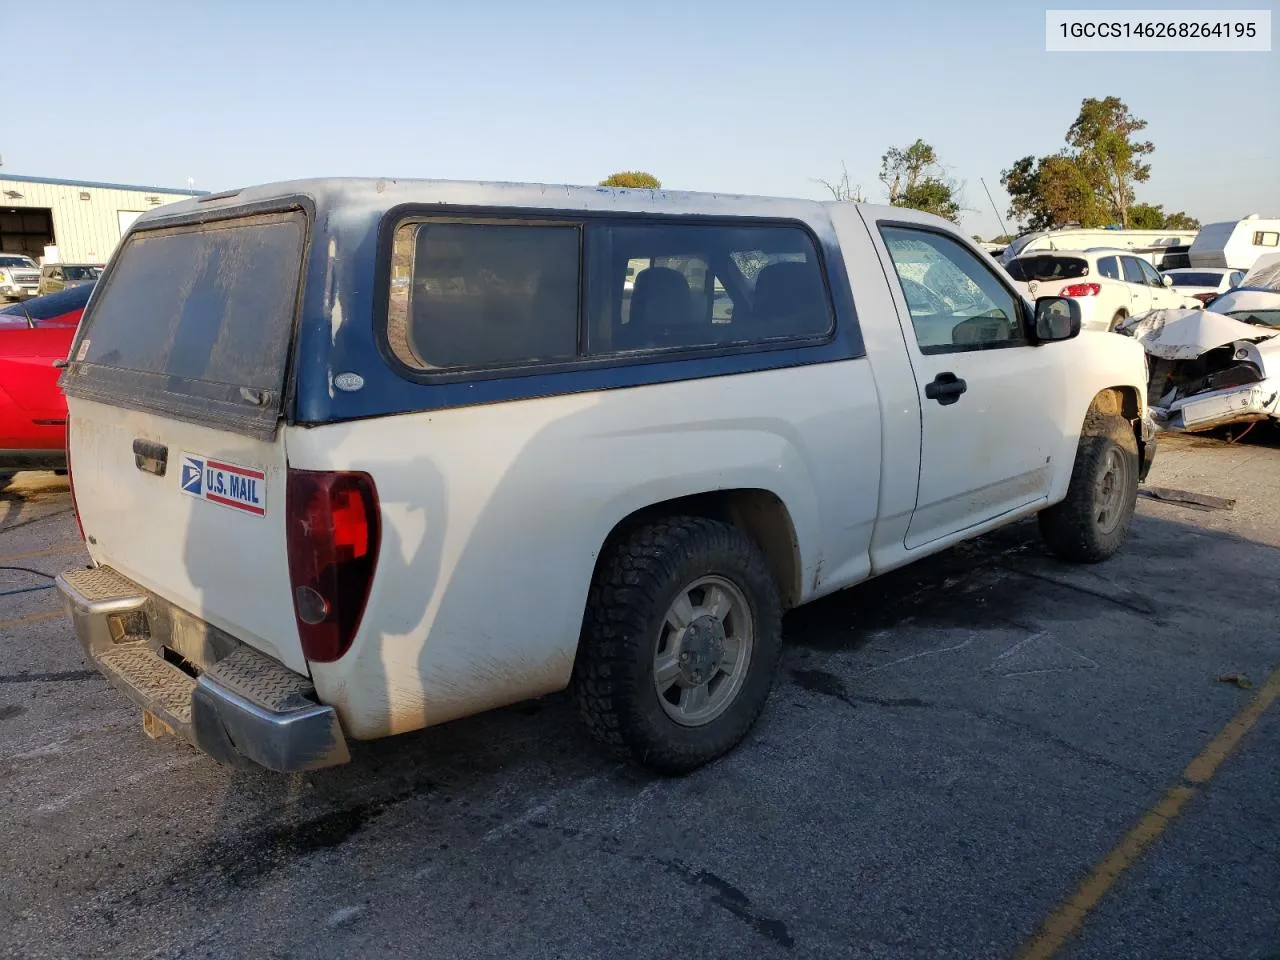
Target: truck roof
x=370, y=194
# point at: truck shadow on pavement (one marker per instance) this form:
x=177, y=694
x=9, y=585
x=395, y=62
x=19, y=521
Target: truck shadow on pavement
x=448, y=785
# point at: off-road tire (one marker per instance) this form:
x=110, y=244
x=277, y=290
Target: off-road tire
x=634, y=585
x=1070, y=529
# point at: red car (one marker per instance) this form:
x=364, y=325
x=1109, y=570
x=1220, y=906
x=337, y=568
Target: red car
x=33, y=412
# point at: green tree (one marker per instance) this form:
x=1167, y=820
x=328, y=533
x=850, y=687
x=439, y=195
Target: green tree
x=1181, y=221
x=1146, y=216
x=1151, y=216
x=633, y=179
x=1103, y=137
x=1091, y=182
x=914, y=178
x=1051, y=191
x=1026, y=197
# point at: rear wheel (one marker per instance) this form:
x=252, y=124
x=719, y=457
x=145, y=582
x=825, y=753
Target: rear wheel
x=1092, y=523
x=1118, y=319
x=680, y=643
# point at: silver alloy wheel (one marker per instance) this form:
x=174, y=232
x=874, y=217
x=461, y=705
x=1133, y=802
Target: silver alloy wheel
x=703, y=651
x=1110, y=491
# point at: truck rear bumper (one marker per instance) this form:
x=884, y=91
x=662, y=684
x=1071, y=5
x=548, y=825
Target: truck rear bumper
x=239, y=706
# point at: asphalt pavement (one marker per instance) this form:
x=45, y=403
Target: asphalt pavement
x=950, y=754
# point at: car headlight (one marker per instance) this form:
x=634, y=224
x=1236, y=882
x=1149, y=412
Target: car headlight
x=4, y=276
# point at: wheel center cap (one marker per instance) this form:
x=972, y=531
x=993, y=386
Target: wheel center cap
x=701, y=650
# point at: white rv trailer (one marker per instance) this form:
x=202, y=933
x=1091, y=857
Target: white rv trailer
x=1236, y=244
x=1083, y=238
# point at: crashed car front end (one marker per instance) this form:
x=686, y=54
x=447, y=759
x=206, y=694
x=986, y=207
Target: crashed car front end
x=1221, y=408
x=1208, y=370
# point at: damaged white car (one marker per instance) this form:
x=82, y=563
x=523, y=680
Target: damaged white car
x=1213, y=367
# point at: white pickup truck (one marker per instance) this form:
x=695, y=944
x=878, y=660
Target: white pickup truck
x=355, y=457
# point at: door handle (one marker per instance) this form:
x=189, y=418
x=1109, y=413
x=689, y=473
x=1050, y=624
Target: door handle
x=150, y=457
x=945, y=388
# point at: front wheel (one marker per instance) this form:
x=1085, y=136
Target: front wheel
x=680, y=643
x=1092, y=523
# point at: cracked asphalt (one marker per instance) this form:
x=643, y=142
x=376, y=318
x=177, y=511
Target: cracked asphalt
x=948, y=752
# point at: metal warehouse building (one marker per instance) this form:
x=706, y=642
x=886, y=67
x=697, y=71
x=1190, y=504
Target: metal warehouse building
x=72, y=221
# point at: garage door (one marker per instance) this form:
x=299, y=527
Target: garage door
x=126, y=219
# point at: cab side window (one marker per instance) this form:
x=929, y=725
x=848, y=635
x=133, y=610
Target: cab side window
x=1133, y=270
x=956, y=303
x=692, y=286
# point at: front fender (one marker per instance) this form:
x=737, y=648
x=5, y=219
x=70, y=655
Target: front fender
x=1096, y=362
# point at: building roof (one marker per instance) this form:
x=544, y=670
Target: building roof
x=103, y=186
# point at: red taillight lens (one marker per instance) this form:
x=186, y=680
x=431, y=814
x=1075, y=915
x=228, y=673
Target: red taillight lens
x=333, y=535
x=71, y=479
x=1081, y=290
x=1204, y=297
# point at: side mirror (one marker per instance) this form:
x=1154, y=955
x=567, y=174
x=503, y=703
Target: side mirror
x=1166, y=280
x=1056, y=318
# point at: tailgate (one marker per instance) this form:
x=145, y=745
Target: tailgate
x=175, y=395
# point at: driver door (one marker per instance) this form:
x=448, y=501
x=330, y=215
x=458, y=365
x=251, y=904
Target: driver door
x=989, y=399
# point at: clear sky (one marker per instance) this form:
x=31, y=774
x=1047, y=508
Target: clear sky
x=745, y=97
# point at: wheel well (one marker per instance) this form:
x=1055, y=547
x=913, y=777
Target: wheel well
x=757, y=513
x=1122, y=401
x=1116, y=401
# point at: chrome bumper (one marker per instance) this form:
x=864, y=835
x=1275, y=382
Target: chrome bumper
x=230, y=701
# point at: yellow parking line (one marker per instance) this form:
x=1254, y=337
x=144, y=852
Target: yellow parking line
x=31, y=618
x=1203, y=767
x=51, y=551
x=1072, y=913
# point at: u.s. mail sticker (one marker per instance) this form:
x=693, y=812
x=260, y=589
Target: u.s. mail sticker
x=227, y=484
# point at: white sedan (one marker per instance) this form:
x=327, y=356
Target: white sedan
x=1204, y=283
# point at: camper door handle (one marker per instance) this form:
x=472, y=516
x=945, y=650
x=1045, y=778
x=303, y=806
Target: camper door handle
x=150, y=457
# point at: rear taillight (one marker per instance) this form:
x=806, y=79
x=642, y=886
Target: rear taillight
x=1081, y=290
x=1204, y=297
x=71, y=480
x=333, y=536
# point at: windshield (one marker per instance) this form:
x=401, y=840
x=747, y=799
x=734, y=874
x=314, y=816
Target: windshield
x=1048, y=268
x=17, y=262
x=1183, y=278
x=81, y=273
